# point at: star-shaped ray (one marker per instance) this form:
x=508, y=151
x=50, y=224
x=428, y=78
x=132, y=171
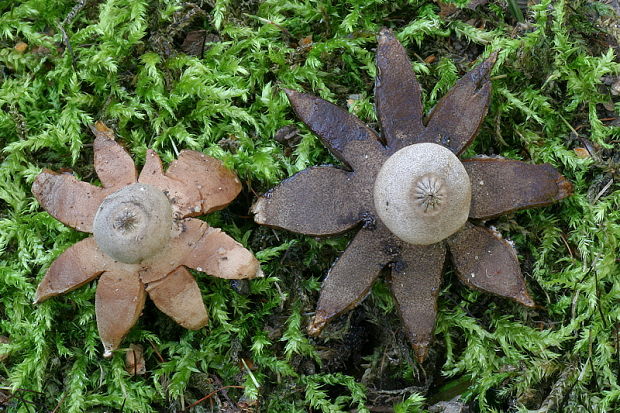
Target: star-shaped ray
x=195, y=183
x=178, y=296
x=397, y=94
x=415, y=282
x=113, y=164
x=322, y=200
x=76, y=266
x=119, y=301
x=347, y=138
x=365, y=257
x=521, y=184
x=488, y=263
x=455, y=120
x=72, y=202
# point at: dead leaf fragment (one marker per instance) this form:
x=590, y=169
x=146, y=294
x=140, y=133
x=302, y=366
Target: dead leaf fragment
x=21, y=47
x=134, y=360
x=615, y=88
x=475, y=3
x=582, y=153
x=4, y=340
x=305, y=43
x=194, y=42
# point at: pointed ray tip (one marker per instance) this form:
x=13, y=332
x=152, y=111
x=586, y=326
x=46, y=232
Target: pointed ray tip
x=107, y=352
x=524, y=298
x=289, y=92
x=258, y=209
x=480, y=75
x=39, y=297
x=484, y=69
x=486, y=66
x=421, y=351
x=99, y=126
x=101, y=131
x=492, y=57
x=316, y=325
x=565, y=188
x=259, y=273
x=385, y=34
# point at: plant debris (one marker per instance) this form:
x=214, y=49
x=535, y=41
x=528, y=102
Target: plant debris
x=134, y=360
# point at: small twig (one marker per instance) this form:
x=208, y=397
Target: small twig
x=26, y=403
x=267, y=21
x=569, y=126
x=605, y=188
x=617, y=328
x=20, y=389
x=16, y=394
x=380, y=409
x=498, y=130
x=62, y=399
x=256, y=383
x=174, y=147
x=564, y=383
x=65, y=40
x=563, y=237
x=576, y=295
x=399, y=392
x=135, y=361
x=74, y=11
x=419, y=57
x=157, y=353
x=597, y=291
x=573, y=305
x=224, y=390
x=208, y=396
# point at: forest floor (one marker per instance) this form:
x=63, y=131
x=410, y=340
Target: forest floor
x=209, y=76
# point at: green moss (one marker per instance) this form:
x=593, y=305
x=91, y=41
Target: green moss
x=121, y=61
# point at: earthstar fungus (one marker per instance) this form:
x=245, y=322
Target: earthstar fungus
x=144, y=236
x=409, y=196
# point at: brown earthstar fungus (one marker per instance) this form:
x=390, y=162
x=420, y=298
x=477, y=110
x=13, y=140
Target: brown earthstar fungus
x=144, y=235
x=408, y=196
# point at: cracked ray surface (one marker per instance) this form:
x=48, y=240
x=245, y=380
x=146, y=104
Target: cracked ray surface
x=320, y=201
x=194, y=184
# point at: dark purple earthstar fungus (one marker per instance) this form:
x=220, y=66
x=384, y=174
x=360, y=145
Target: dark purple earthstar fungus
x=144, y=235
x=408, y=196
